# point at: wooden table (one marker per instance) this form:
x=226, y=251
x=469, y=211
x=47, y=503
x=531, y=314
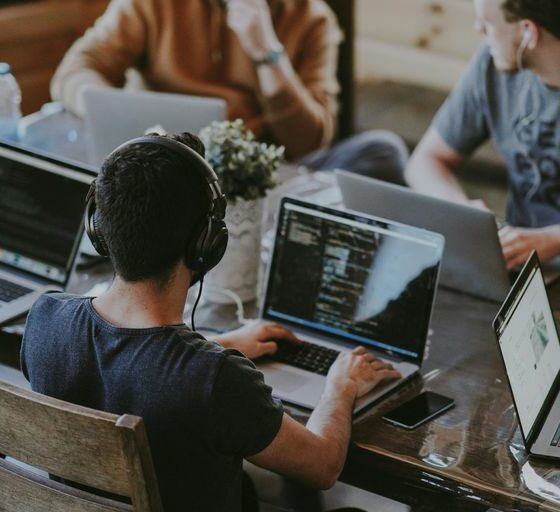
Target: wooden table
x=471, y=458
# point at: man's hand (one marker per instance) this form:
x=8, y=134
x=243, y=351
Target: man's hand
x=517, y=244
x=256, y=339
x=252, y=23
x=359, y=372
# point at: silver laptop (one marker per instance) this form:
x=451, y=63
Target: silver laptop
x=42, y=203
x=530, y=349
x=114, y=116
x=473, y=261
x=340, y=279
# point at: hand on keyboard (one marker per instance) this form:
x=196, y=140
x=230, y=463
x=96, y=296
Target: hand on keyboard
x=257, y=339
x=359, y=371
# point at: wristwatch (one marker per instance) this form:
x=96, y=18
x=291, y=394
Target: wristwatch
x=272, y=57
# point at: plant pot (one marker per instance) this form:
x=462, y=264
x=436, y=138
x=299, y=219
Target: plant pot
x=238, y=272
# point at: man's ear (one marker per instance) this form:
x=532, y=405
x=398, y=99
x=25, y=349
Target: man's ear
x=531, y=34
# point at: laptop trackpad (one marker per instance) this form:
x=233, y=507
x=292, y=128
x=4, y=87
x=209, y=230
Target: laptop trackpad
x=284, y=381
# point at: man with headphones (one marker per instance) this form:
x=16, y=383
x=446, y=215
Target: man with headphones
x=511, y=95
x=157, y=211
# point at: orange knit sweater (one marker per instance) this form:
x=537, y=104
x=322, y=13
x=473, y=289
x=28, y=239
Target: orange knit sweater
x=185, y=46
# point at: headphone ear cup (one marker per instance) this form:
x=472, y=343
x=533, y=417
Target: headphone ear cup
x=216, y=244
x=208, y=248
x=91, y=225
x=100, y=244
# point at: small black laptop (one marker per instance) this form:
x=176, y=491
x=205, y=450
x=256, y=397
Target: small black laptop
x=340, y=279
x=42, y=204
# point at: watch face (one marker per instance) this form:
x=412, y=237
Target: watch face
x=273, y=57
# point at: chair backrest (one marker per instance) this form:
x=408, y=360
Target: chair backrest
x=98, y=450
x=344, y=10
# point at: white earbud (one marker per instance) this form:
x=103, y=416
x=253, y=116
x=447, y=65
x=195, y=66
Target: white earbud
x=526, y=39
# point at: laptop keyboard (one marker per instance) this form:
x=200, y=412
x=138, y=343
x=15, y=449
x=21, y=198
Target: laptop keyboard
x=307, y=356
x=10, y=291
x=556, y=439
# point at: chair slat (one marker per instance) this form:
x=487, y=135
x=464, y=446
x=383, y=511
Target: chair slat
x=23, y=491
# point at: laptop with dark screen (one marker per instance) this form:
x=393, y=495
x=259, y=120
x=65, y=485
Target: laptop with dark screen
x=340, y=279
x=42, y=203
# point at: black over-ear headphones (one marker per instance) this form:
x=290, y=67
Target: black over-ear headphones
x=208, y=243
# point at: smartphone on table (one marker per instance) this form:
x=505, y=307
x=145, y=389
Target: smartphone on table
x=418, y=410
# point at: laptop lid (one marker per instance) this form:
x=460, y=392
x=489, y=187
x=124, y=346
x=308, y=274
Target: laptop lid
x=42, y=203
x=114, y=116
x=353, y=277
x=473, y=262
x=530, y=348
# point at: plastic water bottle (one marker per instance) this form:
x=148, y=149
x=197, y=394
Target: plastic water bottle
x=10, y=103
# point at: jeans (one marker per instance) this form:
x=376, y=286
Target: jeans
x=376, y=153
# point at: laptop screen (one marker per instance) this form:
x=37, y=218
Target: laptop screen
x=42, y=205
x=529, y=344
x=353, y=277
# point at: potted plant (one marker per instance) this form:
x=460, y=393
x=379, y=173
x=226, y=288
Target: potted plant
x=246, y=169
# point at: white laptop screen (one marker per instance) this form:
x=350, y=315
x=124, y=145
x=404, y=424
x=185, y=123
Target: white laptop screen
x=353, y=277
x=530, y=348
x=41, y=214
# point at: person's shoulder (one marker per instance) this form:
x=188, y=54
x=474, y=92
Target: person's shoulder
x=55, y=300
x=194, y=344
x=483, y=59
x=237, y=368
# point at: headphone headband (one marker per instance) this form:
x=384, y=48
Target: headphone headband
x=182, y=150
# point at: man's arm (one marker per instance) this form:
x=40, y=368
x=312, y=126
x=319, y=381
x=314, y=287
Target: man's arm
x=101, y=57
x=315, y=454
x=300, y=105
x=432, y=166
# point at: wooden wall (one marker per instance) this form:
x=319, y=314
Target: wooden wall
x=35, y=35
x=426, y=42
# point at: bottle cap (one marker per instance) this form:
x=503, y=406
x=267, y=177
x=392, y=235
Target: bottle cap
x=5, y=68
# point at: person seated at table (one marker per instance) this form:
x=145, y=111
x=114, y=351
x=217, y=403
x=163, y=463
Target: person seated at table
x=273, y=61
x=510, y=94
x=205, y=405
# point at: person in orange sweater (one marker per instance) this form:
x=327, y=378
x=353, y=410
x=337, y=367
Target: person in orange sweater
x=273, y=61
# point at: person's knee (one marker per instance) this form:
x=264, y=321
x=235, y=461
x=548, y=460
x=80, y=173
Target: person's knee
x=380, y=154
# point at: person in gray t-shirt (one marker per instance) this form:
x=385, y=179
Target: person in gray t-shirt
x=510, y=94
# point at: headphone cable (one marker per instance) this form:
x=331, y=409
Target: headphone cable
x=193, y=327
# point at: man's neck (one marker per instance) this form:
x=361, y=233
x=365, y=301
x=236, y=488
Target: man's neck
x=546, y=64
x=145, y=304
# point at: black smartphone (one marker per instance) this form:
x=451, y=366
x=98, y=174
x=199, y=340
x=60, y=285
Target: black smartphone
x=418, y=410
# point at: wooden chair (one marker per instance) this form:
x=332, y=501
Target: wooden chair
x=102, y=451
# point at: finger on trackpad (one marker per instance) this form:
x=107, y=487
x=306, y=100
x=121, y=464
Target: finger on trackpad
x=284, y=380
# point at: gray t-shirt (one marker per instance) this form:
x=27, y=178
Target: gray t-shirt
x=205, y=408
x=521, y=116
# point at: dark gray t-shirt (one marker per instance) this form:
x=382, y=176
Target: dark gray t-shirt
x=205, y=408
x=522, y=117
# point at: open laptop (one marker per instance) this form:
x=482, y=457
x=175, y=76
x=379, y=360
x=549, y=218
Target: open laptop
x=530, y=349
x=42, y=203
x=340, y=279
x=473, y=261
x=114, y=116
